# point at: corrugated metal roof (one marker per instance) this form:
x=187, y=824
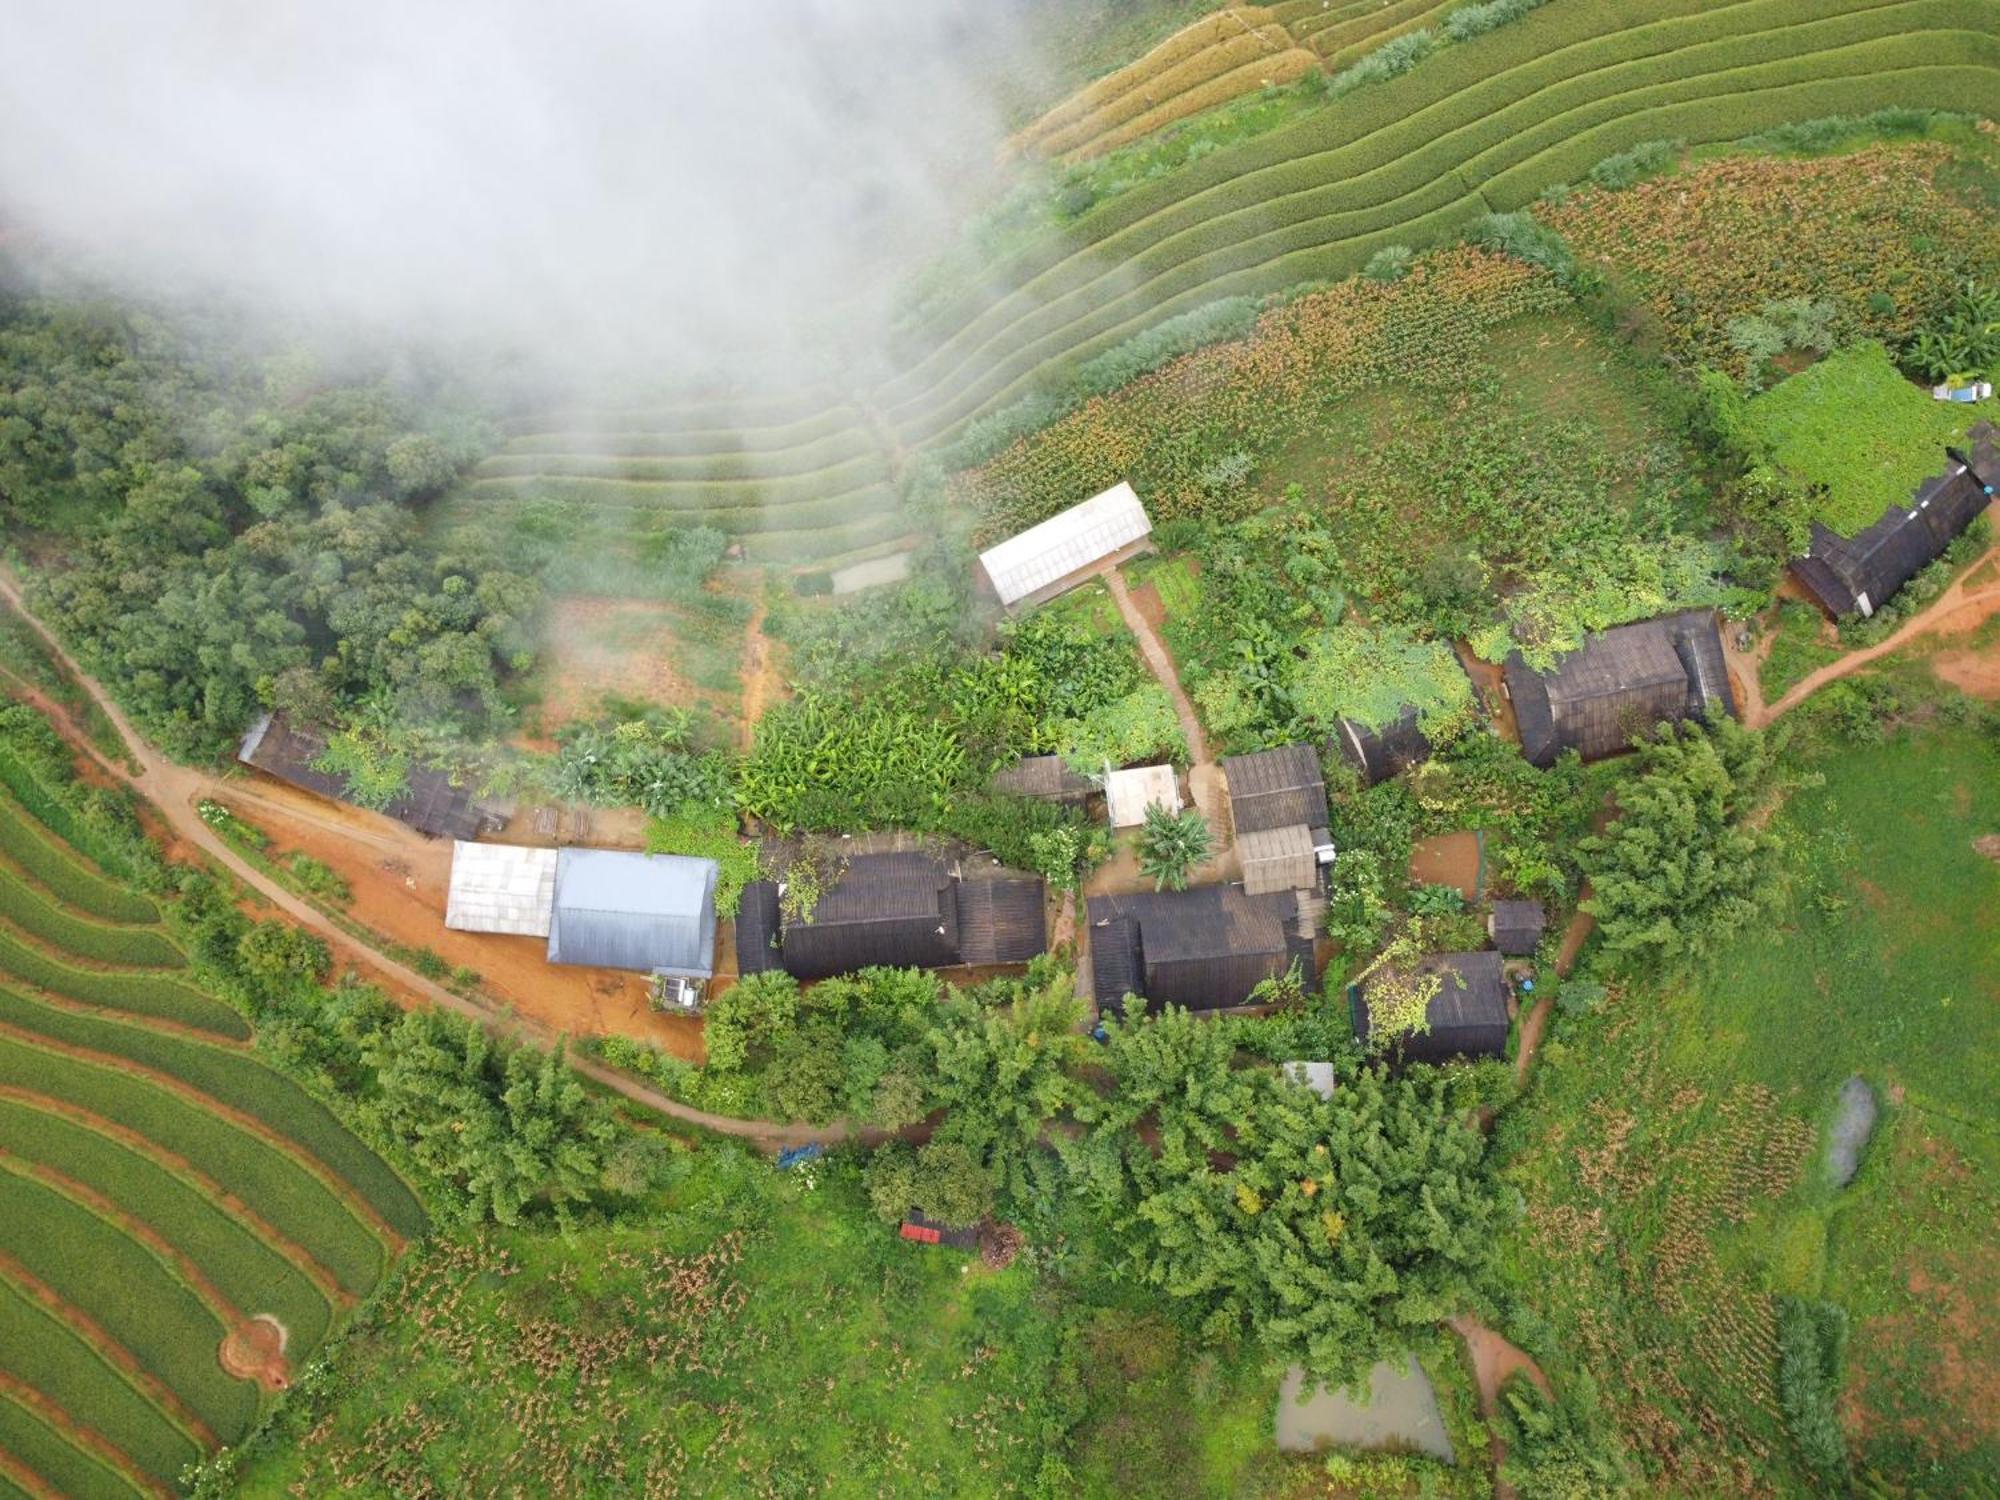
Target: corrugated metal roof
x=1276, y=788
x=1278, y=859
x=1127, y=794
x=1001, y=921
x=654, y=913
x=501, y=888
x=1064, y=543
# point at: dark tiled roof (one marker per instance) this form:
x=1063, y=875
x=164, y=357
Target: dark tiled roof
x=1843, y=572
x=1204, y=948
x=1276, y=788
x=1619, y=684
x=1516, y=926
x=1001, y=921
x=1467, y=1016
x=434, y=804
x=757, y=928
x=1044, y=777
x=1381, y=753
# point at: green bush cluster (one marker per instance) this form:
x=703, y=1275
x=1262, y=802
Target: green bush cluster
x=1812, y=1341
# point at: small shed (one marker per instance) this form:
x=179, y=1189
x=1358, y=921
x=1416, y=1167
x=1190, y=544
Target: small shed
x=1619, y=685
x=1278, y=859
x=1276, y=789
x=1467, y=1017
x=1381, y=753
x=1317, y=1076
x=1128, y=793
x=1516, y=926
x=501, y=888
x=433, y=801
x=1857, y=575
x=1045, y=778
x=652, y=913
x=1206, y=948
x=1057, y=555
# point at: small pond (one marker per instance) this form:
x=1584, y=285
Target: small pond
x=1401, y=1413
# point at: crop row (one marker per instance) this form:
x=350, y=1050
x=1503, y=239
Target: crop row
x=845, y=479
x=827, y=545
x=776, y=418
x=847, y=440
x=29, y=905
x=25, y=841
x=275, y=1185
x=255, y=1276
x=746, y=518
x=45, y=1354
x=1707, y=91
x=36, y=1443
x=722, y=473
x=1342, y=42
x=120, y=1285
x=241, y=1082
x=140, y=992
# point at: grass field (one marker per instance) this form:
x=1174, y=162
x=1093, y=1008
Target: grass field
x=1669, y=1151
x=156, y=1184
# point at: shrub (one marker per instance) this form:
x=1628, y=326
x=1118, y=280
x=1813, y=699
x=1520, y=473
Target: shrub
x=1526, y=238
x=1390, y=60
x=1812, y=1340
x=1172, y=844
x=1627, y=167
x=317, y=878
x=1469, y=21
x=1390, y=263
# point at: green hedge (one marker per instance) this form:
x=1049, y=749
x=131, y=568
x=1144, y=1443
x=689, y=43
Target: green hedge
x=132, y=990
x=241, y=1082
x=1379, y=158
x=253, y=1274
x=71, y=1470
x=29, y=906
x=46, y=1355
x=295, y=1202
x=29, y=844
x=120, y=1285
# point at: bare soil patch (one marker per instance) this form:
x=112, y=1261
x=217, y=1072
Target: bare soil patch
x=628, y=648
x=1451, y=859
x=1987, y=844
x=255, y=1350
x=1975, y=673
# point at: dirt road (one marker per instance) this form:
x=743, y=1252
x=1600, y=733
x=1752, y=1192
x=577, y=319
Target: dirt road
x=1494, y=1359
x=175, y=789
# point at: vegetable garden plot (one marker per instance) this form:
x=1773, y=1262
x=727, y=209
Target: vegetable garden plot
x=275, y=1185
x=141, y=992
x=47, y=1356
x=63, y=872
x=254, y=1275
x=238, y=1081
x=35, y=910
x=120, y=1285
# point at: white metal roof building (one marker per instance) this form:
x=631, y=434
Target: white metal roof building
x=653, y=913
x=1045, y=560
x=1127, y=794
x=500, y=888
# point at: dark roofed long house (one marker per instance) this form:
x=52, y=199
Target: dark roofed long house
x=434, y=804
x=1620, y=684
x=1856, y=575
x=1046, y=778
x=894, y=911
x=1205, y=948
x=1276, y=789
x=1467, y=1016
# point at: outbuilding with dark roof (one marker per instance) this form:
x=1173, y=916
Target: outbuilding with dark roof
x=1381, y=753
x=1857, y=575
x=1276, y=789
x=1045, y=778
x=433, y=802
x=1516, y=926
x=1619, y=685
x=902, y=910
x=1206, y=948
x=1466, y=1018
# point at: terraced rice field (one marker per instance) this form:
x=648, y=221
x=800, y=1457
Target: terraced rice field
x=1482, y=126
x=800, y=477
x=160, y=1188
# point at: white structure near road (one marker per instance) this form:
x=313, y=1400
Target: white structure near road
x=1064, y=550
x=1127, y=794
x=501, y=888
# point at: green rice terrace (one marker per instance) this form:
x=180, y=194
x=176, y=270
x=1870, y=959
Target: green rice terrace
x=181, y=1226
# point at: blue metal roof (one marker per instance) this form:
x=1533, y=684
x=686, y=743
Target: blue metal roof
x=654, y=913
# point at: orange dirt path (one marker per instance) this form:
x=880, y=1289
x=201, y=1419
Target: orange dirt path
x=174, y=789
x=1494, y=1359
x=1963, y=607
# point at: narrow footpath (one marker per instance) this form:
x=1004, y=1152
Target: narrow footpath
x=1204, y=775
x=175, y=789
